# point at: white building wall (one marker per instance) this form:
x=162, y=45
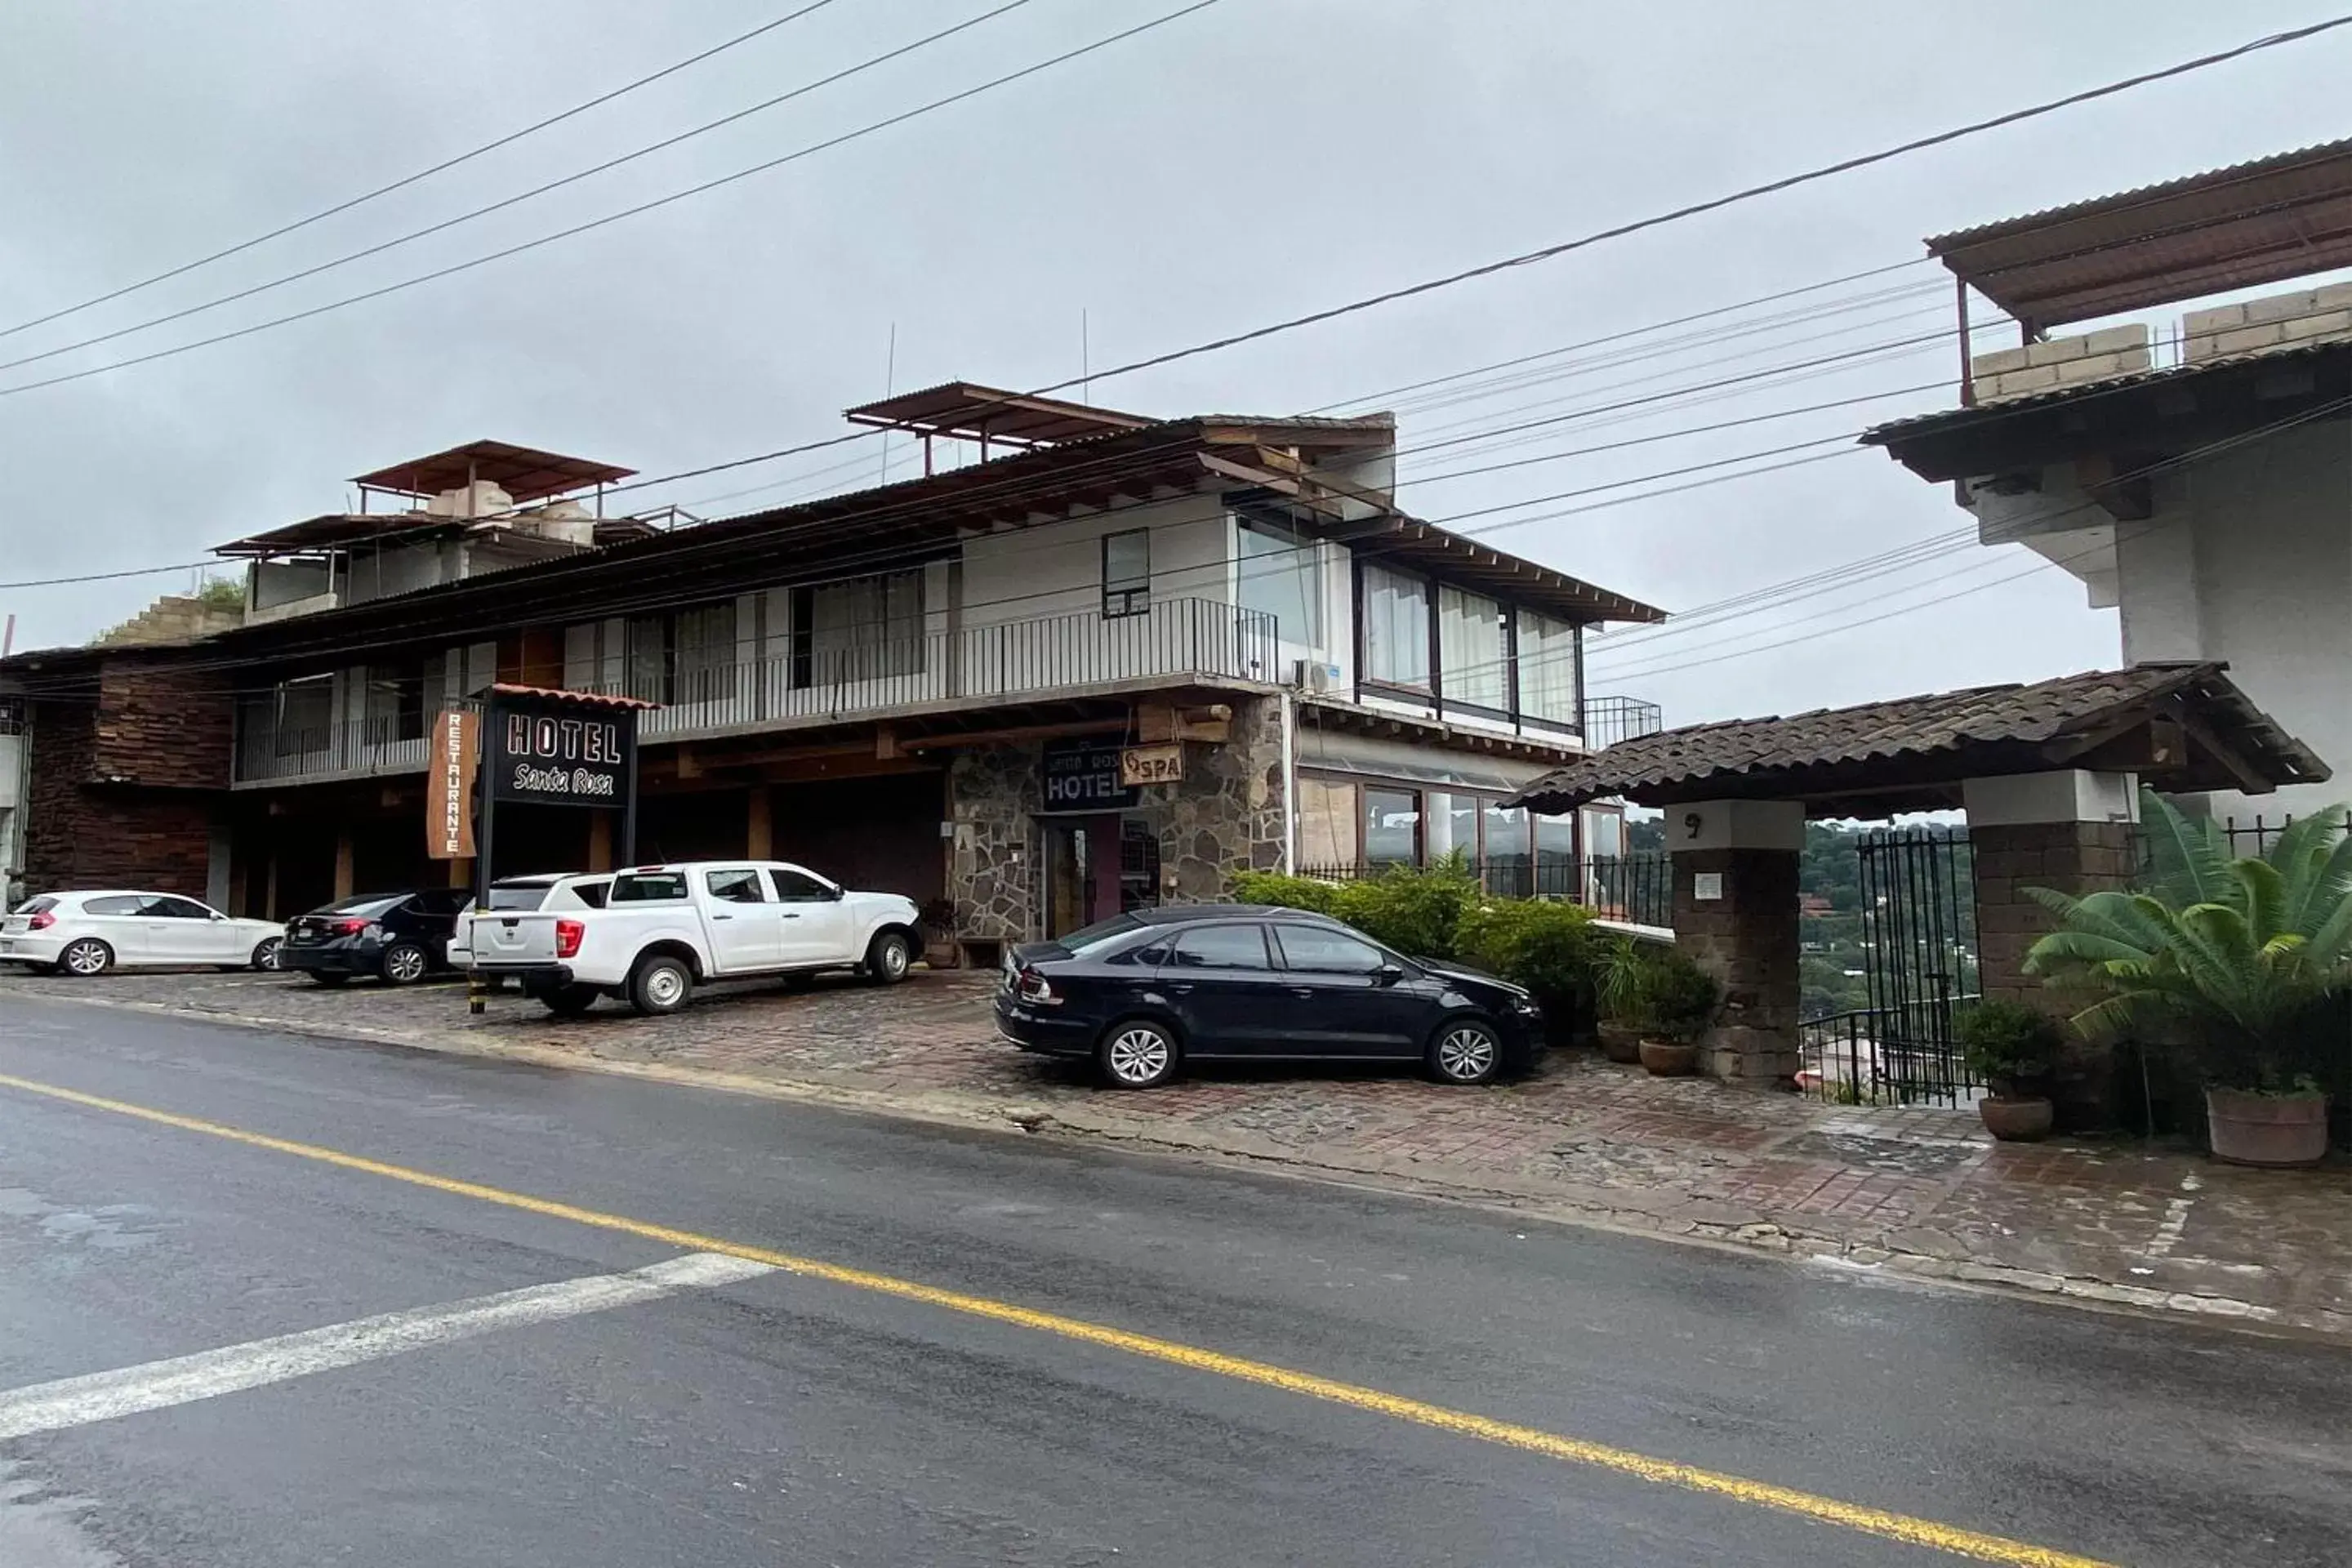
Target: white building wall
x=1055, y=569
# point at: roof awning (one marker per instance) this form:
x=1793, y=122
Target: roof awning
x=2254, y=223
x=2182, y=727
x=523, y=472
x=965, y=409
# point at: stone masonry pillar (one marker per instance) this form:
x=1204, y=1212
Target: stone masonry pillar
x=2070, y=831
x=1735, y=864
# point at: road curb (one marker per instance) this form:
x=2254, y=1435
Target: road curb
x=1619, y=1211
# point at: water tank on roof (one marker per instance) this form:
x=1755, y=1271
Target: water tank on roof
x=480, y=499
x=566, y=522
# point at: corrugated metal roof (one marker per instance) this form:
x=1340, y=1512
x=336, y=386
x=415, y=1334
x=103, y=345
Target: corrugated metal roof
x=1981, y=730
x=2269, y=218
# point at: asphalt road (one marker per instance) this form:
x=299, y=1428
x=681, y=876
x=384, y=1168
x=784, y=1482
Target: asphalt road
x=747, y=1416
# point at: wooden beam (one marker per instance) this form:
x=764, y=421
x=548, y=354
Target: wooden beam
x=951, y=740
x=886, y=742
x=2247, y=777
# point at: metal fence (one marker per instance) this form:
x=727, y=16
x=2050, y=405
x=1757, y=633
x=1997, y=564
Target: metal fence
x=1635, y=888
x=1609, y=719
x=2256, y=837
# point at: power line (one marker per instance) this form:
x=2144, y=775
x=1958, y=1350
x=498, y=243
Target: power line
x=642, y=207
x=610, y=164
x=406, y=180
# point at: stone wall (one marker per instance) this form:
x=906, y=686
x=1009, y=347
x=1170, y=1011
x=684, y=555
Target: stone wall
x=80, y=832
x=1748, y=940
x=1223, y=818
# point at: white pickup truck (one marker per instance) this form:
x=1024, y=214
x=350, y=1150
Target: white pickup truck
x=664, y=929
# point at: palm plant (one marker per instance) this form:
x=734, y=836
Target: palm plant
x=2240, y=950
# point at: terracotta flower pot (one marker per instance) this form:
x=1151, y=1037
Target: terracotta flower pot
x=1669, y=1058
x=2249, y=1129
x=2016, y=1117
x=1618, y=1043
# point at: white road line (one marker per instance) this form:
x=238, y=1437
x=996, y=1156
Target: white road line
x=104, y=1395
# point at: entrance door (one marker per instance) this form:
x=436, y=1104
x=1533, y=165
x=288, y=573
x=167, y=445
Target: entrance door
x=1082, y=869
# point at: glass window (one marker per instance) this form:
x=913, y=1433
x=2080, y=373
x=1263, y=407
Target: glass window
x=1220, y=947
x=1281, y=575
x=1327, y=823
x=518, y=896
x=40, y=905
x=394, y=704
x=649, y=887
x=1604, y=834
x=1471, y=667
x=1509, y=865
x=1127, y=573
x=1549, y=656
x=798, y=887
x=592, y=893
x=368, y=904
x=1101, y=933
x=735, y=886
x=703, y=640
x=121, y=904
x=1396, y=628
x=306, y=711
x=1449, y=825
x=867, y=629
x=165, y=907
x=1391, y=828
x=1322, y=952
x=1556, y=856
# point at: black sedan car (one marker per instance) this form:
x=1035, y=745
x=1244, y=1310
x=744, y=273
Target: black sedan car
x=1140, y=994
x=398, y=938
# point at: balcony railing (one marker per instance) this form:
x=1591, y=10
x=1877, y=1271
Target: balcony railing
x=1172, y=638
x=1609, y=719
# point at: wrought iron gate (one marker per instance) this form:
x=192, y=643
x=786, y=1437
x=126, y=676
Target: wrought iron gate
x=1920, y=959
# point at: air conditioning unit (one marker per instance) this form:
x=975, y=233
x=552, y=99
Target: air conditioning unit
x=1313, y=674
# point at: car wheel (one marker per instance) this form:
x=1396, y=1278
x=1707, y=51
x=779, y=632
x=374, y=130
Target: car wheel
x=887, y=958
x=404, y=963
x=86, y=957
x=1137, y=1054
x=1466, y=1052
x=329, y=978
x=570, y=1001
x=660, y=984
x=264, y=956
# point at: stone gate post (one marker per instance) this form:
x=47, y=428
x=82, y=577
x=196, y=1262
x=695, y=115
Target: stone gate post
x=1735, y=864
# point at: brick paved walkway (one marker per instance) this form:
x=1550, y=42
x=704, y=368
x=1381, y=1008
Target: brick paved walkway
x=1903, y=1190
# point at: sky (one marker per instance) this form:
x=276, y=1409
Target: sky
x=1256, y=159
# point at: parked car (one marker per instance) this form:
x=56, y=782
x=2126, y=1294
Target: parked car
x=1141, y=993
x=544, y=890
x=666, y=929
x=397, y=937
x=90, y=933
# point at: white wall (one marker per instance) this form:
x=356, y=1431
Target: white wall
x=1055, y=569
x=2246, y=558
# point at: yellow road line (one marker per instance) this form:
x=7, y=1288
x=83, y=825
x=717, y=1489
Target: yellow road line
x=1573, y=1450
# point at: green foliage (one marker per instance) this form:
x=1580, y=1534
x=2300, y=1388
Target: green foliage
x=1547, y=947
x=1417, y=913
x=1656, y=990
x=222, y=594
x=1286, y=892
x=2242, y=952
x=2008, y=1044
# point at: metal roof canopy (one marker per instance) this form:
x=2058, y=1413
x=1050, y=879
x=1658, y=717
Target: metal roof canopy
x=2253, y=223
x=335, y=529
x=525, y=473
x=2181, y=727
x=989, y=413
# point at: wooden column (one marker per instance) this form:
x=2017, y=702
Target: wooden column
x=343, y=888
x=599, y=840
x=758, y=834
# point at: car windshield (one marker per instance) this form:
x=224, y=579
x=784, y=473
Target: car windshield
x=526, y=896
x=36, y=906
x=368, y=904
x=1087, y=938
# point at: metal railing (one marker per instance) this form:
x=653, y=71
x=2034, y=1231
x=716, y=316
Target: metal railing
x=1609, y=719
x=1172, y=638
x=1888, y=1055
x=1635, y=888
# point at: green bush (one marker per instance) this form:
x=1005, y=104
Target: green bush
x=1679, y=998
x=1547, y=947
x=2010, y=1045
x=1286, y=892
x=1416, y=912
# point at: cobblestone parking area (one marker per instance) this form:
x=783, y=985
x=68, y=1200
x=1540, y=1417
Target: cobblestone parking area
x=1922, y=1193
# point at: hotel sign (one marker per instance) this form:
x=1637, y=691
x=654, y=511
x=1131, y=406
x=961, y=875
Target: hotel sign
x=449, y=785
x=557, y=754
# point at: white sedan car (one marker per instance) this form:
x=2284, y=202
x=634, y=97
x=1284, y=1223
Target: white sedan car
x=90, y=933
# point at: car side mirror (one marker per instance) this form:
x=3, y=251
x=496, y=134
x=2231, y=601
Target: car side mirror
x=216, y=915
x=1388, y=974
x=835, y=895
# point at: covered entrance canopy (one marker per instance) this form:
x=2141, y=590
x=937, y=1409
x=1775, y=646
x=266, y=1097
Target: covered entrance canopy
x=2182, y=727
x=2044, y=771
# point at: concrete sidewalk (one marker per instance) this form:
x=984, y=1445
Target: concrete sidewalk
x=1904, y=1191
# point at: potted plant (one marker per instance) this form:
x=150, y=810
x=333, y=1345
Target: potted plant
x=1679, y=1003
x=1623, y=968
x=2232, y=957
x=937, y=919
x=2011, y=1048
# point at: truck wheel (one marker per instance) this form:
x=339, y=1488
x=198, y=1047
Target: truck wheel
x=660, y=984
x=887, y=958
x=570, y=1001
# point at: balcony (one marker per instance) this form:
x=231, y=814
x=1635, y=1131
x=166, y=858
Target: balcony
x=1172, y=640
x=1609, y=719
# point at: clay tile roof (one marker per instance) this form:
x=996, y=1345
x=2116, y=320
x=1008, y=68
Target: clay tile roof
x=583, y=698
x=1912, y=752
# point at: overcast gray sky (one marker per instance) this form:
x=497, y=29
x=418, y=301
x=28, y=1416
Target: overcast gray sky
x=1259, y=159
